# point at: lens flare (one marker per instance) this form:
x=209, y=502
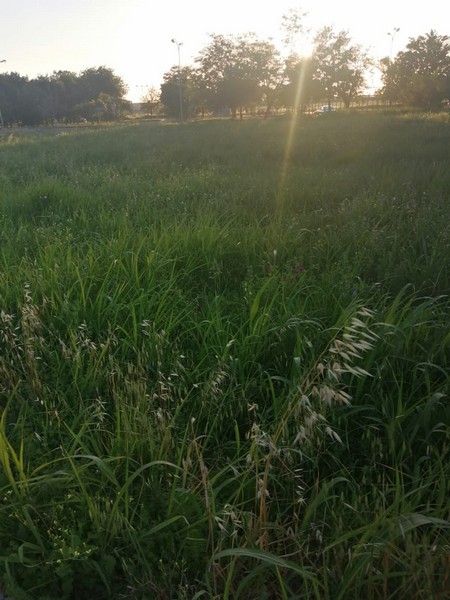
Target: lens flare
x=290, y=139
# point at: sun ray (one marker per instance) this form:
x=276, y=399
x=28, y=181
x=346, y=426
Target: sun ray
x=290, y=139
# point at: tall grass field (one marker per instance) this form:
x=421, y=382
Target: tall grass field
x=224, y=360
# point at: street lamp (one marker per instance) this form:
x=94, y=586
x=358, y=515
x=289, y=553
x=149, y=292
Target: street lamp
x=392, y=35
x=178, y=45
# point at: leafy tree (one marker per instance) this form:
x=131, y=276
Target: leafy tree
x=103, y=88
x=292, y=25
x=290, y=84
x=150, y=100
x=68, y=92
x=420, y=75
x=178, y=85
x=339, y=67
x=34, y=103
x=95, y=94
x=235, y=70
x=271, y=71
x=25, y=101
x=299, y=87
x=100, y=80
x=12, y=87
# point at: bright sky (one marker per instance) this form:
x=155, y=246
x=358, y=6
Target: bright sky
x=132, y=37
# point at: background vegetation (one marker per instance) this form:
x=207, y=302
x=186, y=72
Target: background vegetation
x=224, y=355
x=234, y=74
x=96, y=94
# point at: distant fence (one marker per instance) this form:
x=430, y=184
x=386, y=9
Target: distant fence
x=361, y=102
x=358, y=102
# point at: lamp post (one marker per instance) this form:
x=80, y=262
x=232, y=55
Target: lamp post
x=178, y=45
x=392, y=35
x=1, y=116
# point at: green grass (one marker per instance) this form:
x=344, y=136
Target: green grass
x=224, y=360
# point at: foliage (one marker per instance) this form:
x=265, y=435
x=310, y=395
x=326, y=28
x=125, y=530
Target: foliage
x=339, y=67
x=234, y=73
x=224, y=366
x=234, y=70
x=94, y=94
x=293, y=27
x=179, y=87
x=150, y=101
x=298, y=88
x=420, y=75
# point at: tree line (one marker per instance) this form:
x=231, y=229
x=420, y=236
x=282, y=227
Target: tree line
x=95, y=94
x=420, y=75
x=234, y=73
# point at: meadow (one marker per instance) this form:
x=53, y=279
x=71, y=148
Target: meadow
x=224, y=352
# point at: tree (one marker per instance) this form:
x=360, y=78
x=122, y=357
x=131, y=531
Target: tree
x=67, y=91
x=292, y=25
x=339, y=66
x=299, y=87
x=420, y=75
x=101, y=80
x=177, y=86
x=95, y=94
x=290, y=82
x=12, y=89
x=150, y=100
x=269, y=71
x=235, y=70
x=35, y=102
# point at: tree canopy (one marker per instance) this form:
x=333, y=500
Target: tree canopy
x=339, y=66
x=234, y=70
x=94, y=94
x=233, y=73
x=177, y=89
x=420, y=75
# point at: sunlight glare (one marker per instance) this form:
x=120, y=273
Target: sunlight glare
x=306, y=49
x=289, y=143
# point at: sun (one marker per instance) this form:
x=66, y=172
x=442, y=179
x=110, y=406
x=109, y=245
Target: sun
x=306, y=49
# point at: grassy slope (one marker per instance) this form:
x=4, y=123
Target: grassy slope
x=188, y=316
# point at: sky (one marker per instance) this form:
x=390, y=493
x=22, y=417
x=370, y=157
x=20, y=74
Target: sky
x=133, y=37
